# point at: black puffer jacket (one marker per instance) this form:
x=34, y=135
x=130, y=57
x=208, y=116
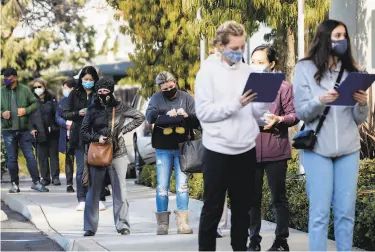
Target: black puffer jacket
x=43, y=120
x=77, y=100
x=98, y=121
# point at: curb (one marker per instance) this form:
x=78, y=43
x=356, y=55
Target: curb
x=34, y=212
x=3, y=216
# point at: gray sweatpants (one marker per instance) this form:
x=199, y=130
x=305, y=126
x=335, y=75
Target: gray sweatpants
x=117, y=174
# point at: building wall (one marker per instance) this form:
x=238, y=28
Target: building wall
x=359, y=16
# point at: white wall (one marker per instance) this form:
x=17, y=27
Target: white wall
x=359, y=16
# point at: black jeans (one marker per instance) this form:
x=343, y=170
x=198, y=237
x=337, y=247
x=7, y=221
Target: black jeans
x=276, y=176
x=234, y=173
x=69, y=165
x=48, y=158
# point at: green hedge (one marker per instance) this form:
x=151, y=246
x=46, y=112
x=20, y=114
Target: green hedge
x=364, y=231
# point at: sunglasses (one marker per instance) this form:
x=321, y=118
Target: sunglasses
x=169, y=130
x=38, y=87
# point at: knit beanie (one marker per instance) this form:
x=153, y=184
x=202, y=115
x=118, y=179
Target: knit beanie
x=106, y=83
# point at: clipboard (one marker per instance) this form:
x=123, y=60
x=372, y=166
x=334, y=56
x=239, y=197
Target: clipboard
x=353, y=83
x=167, y=120
x=266, y=85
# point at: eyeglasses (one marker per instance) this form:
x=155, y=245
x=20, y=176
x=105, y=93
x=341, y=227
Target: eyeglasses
x=169, y=130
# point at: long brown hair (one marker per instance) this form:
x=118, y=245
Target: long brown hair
x=321, y=49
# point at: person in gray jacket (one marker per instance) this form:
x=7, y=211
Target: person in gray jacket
x=332, y=166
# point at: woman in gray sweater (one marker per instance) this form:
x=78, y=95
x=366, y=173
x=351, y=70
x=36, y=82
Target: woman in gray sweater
x=332, y=166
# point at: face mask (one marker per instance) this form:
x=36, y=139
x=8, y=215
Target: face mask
x=39, y=91
x=7, y=82
x=339, y=47
x=87, y=84
x=169, y=94
x=258, y=67
x=105, y=98
x=233, y=56
x=66, y=92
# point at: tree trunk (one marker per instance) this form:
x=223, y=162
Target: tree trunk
x=290, y=55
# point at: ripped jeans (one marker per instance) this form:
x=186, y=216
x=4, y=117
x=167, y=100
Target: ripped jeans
x=165, y=161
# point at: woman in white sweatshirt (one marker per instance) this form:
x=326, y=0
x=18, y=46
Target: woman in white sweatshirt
x=229, y=133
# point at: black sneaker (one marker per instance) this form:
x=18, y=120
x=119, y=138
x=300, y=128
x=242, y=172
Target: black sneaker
x=45, y=182
x=70, y=189
x=254, y=246
x=56, y=182
x=14, y=188
x=38, y=186
x=279, y=245
x=124, y=231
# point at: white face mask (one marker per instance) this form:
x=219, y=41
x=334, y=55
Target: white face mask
x=258, y=67
x=39, y=91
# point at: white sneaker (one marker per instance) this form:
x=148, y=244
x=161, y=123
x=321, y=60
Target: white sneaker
x=102, y=206
x=81, y=206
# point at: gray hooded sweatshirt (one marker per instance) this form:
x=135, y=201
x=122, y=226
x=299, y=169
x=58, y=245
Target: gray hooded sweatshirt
x=339, y=135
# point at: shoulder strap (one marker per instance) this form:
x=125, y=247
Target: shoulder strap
x=326, y=110
x=113, y=119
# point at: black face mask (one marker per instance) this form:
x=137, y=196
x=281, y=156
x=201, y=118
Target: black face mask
x=105, y=98
x=170, y=93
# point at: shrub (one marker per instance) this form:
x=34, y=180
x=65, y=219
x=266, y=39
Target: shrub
x=364, y=230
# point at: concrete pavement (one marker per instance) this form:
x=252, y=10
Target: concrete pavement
x=54, y=213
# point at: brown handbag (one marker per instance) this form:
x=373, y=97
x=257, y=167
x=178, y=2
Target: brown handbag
x=100, y=154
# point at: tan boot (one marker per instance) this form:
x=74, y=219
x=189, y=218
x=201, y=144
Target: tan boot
x=182, y=219
x=162, y=219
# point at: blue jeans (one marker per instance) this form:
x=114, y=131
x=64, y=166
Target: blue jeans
x=80, y=161
x=22, y=139
x=331, y=181
x=165, y=161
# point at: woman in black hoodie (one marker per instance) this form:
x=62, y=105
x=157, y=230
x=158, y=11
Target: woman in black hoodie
x=47, y=134
x=78, y=101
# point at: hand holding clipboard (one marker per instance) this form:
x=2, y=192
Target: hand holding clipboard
x=265, y=85
x=352, y=84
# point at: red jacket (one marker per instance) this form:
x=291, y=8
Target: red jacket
x=273, y=145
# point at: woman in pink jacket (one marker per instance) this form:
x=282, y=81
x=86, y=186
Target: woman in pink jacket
x=273, y=151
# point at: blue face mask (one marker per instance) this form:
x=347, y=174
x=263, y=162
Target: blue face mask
x=233, y=56
x=66, y=92
x=88, y=84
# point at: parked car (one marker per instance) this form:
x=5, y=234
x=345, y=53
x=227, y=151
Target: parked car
x=140, y=150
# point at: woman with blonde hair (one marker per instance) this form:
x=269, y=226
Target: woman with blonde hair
x=227, y=117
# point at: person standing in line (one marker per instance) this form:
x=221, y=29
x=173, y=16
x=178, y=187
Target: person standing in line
x=332, y=166
x=273, y=151
x=17, y=104
x=172, y=102
x=75, y=109
x=47, y=150
x=96, y=127
x=65, y=125
x=228, y=118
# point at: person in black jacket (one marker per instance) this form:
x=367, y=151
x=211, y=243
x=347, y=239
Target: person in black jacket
x=165, y=139
x=74, y=110
x=47, y=148
x=64, y=125
x=97, y=127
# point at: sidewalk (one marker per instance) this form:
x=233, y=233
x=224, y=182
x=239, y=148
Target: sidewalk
x=54, y=213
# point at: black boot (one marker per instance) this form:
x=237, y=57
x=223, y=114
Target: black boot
x=89, y=233
x=279, y=245
x=254, y=246
x=124, y=231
